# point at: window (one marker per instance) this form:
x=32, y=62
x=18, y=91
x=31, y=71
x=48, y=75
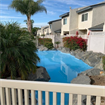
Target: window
x=65, y=21
x=50, y=26
x=85, y=17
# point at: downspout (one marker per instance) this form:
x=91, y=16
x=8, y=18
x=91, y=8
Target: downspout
x=104, y=27
x=70, y=20
x=104, y=36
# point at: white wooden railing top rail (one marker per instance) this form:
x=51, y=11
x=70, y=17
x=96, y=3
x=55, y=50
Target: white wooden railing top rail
x=98, y=91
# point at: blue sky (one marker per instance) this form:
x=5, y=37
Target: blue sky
x=54, y=9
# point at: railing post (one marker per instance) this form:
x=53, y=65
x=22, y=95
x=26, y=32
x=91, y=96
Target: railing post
x=39, y=98
x=14, y=96
x=98, y=100
x=70, y=99
x=79, y=100
x=47, y=98
x=33, y=99
x=2, y=96
x=20, y=98
x=26, y=97
x=8, y=96
x=62, y=98
x=54, y=98
x=88, y=100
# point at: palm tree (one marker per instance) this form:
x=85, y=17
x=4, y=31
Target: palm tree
x=32, y=21
x=18, y=57
x=57, y=43
x=28, y=8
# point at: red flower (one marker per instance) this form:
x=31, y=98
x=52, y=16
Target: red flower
x=77, y=33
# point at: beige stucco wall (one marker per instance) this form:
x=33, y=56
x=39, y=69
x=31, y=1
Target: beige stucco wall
x=73, y=21
x=85, y=24
x=46, y=31
x=98, y=15
x=55, y=26
x=49, y=29
x=43, y=31
x=39, y=32
x=104, y=27
x=95, y=16
x=66, y=26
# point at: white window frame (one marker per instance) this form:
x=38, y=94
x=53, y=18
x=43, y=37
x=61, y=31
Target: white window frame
x=64, y=23
x=85, y=18
x=50, y=26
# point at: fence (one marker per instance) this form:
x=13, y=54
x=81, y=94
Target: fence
x=50, y=36
x=96, y=42
x=59, y=38
x=88, y=90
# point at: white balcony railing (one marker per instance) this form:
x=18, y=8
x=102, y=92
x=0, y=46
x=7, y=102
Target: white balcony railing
x=7, y=85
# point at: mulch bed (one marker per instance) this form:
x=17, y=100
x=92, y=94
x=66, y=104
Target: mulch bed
x=99, y=80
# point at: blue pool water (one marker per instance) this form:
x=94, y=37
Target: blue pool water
x=62, y=68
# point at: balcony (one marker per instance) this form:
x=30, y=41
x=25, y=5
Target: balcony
x=8, y=92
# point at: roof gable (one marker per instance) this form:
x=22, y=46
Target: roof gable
x=64, y=15
x=50, y=22
x=90, y=7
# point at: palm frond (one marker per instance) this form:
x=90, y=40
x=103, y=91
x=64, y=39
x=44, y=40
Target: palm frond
x=18, y=51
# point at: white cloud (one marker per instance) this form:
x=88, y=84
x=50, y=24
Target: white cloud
x=4, y=20
x=51, y=12
x=47, y=3
x=23, y=25
x=40, y=24
x=3, y=12
x=9, y=17
x=59, y=10
x=4, y=6
x=73, y=2
x=35, y=24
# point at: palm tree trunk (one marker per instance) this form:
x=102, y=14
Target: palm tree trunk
x=29, y=23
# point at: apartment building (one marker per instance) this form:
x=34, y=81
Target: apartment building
x=83, y=20
x=65, y=23
x=44, y=30
x=55, y=27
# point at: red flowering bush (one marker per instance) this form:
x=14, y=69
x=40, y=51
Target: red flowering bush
x=77, y=33
x=44, y=40
x=75, y=43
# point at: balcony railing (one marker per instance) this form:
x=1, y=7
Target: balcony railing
x=8, y=92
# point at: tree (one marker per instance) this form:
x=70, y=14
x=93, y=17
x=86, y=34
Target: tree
x=34, y=30
x=17, y=47
x=43, y=38
x=57, y=43
x=28, y=8
x=32, y=21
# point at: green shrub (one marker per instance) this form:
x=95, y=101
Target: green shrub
x=43, y=35
x=49, y=45
x=103, y=60
x=75, y=43
x=45, y=40
x=17, y=52
x=57, y=43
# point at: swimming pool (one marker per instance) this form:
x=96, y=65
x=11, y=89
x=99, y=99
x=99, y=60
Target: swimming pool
x=62, y=68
